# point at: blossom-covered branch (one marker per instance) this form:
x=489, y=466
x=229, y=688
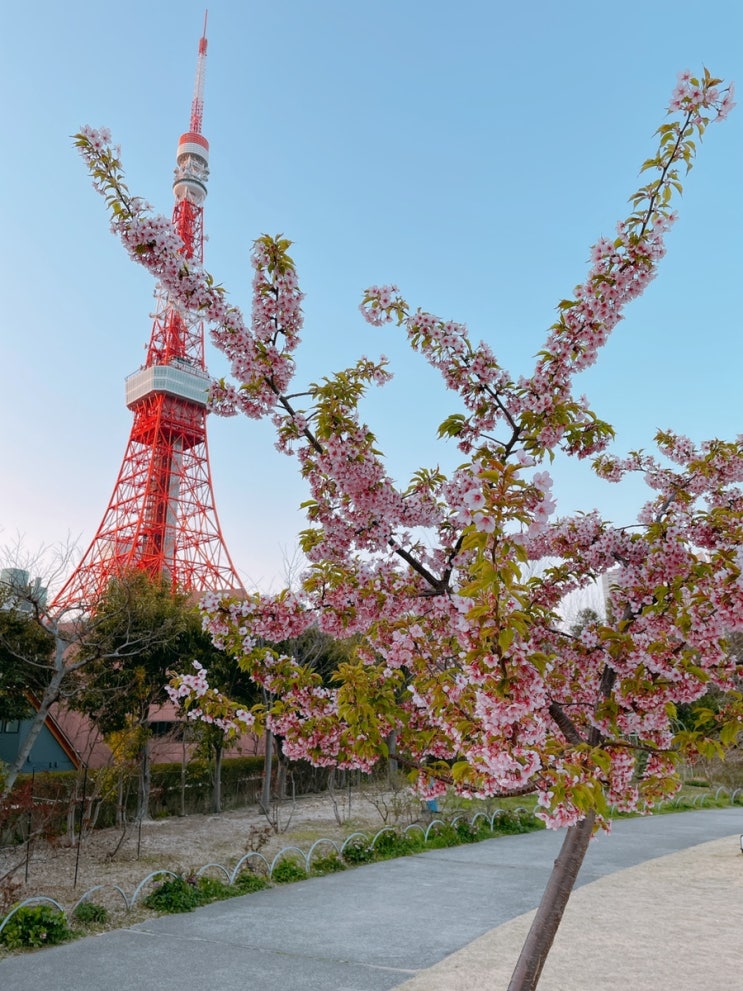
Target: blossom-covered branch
x=462, y=658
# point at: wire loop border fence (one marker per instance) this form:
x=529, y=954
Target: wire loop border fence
x=231, y=876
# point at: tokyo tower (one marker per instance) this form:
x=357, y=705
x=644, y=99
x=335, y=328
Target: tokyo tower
x=161, y=518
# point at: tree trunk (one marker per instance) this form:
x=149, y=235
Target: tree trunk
x=217, y=793
x=267, y=769
x=549, y=914
x=145, y=781
x=184, y=760
x=51, y=694
x=281, y=778
x=391, y=760
x=120, y=810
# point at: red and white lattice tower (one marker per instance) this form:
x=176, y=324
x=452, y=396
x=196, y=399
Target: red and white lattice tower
x=161, y=518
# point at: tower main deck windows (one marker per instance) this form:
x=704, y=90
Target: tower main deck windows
x=190, y=383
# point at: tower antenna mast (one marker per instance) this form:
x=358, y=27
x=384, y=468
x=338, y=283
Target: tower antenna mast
x=197, y=104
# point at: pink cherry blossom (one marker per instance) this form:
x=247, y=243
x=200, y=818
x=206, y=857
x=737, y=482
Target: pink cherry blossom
x=451, y=586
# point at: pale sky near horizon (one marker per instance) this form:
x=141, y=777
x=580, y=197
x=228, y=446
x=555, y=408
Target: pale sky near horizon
x=469, y=152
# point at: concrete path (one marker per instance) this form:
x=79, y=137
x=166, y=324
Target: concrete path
x=384, y=925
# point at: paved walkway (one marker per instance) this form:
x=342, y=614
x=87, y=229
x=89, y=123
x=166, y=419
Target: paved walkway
x=447, y=920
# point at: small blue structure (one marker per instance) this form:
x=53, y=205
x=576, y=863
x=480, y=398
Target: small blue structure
x=50, y=752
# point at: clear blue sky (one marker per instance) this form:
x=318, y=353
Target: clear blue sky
x=471, y=152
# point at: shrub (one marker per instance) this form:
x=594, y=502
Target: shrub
x=247, y=882
x=177, y=894
x=519, y=821
x=389, y=844
x=210, y=889
x=443, y=835
x=88, y=913
x=33, y=812
x=287, y=871
x=35, y=925
x=358, y=851
x=415, y=840
x=466, y=832
x=327, y=865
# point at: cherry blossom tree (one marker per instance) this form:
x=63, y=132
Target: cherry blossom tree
x=463, y=657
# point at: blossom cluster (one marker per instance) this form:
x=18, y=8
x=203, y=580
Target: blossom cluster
x=701, y=95
x=208, y=705
x=449, y=589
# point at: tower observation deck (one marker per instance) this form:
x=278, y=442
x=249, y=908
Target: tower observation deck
x=162, y=517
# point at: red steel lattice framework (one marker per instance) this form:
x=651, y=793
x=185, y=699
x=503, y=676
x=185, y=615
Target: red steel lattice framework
x=162, y=517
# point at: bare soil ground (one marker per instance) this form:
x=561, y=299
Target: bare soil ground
x=124, y=858
x=670, y=924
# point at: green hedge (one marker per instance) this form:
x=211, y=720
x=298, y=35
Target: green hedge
x=241, y=785
x=54, y=792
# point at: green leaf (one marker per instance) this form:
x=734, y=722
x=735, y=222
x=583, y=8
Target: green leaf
x=452, y=425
